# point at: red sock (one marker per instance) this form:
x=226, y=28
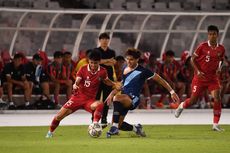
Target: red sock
x=216, y=112
x=54, y=124
x=97, y=113
x=186, y=103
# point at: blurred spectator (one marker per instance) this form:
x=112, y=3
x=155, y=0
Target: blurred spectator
x=185, y=74
x=57, y=74
x=107, y=61
x=68, y=65
x=82, y=62
x=45, y=60
x=224, y=77
x=154, y=66
x=169, y=71
x=37, y=76
x=14, y=78
x=2, y=103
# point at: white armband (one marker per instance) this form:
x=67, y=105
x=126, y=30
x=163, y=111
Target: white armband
x=172, y=92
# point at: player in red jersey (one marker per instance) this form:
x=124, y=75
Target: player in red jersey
x=86, y=87
x=206, y=61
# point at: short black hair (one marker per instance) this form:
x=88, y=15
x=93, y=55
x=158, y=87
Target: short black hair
x=94, y=55
x=58, y=54
x=37, y=57
x=213, y=28
x=104, y=36
x=170, y=53
x=120, y=58
x=67, y=53
x=133, y=52
x=18, y=55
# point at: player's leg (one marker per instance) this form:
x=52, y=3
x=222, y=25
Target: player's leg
x=57, y=119
x=106, y=91
x=27, y=86
x=215, y=93
x=97, y=109
x=197, y=88
x=124, y=126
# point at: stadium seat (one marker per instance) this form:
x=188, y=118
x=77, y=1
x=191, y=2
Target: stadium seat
x=162, y=6
x=206, y=5
x=146, y=5
x=222, y=4
x=175, y=6
x=131, y=6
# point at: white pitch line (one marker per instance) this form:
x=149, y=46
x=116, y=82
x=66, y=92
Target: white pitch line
x=152, y=117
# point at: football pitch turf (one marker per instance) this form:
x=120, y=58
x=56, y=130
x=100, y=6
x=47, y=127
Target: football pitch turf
x=75, y=139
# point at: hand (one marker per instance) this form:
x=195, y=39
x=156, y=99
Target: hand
x=118, y=85
x=75, y=87
x=200, y=74
x=175, y=97
x=109, y=99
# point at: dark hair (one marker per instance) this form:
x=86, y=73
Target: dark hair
x=18, y=55
x=119, y=58
x=94, y=55
x=58, y=54
x=67, y=53
x=170, y=53
x=133, y=52
x=104, y=36
x=88, y=51
x=37, y=57
x=213, y=28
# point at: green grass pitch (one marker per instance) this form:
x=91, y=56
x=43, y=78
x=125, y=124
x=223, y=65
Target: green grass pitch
x=75, y=139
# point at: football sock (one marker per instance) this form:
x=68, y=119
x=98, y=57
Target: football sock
x=216, y=112
x=97, y=113
x=186, y=103
x=127, y=127
x=118, y=107
x=54, y=124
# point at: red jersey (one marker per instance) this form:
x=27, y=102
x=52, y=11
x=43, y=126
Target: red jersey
x=208, y=59
x=90, y=81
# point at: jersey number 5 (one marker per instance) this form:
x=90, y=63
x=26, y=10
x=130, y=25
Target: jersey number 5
x=207, y=58
x=194, y=88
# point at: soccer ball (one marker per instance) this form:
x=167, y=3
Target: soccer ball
x=95, y=130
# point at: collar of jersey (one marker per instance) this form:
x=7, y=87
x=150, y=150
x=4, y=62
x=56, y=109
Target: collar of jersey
x=88, y=68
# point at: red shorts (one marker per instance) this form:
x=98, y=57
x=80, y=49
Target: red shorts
x=79, y=102
x=199, y=85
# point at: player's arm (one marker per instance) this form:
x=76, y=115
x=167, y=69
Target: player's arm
x=165, y=84
x=76, y=83
x=108, y=62
x=109, y=99
x=116, y=85
x=194, y=63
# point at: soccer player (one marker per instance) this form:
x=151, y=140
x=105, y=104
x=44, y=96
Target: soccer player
x=86, y=86
x=206, y=61
x=134, y=76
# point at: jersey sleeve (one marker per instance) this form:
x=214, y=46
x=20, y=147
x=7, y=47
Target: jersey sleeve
x=148, y=74
x=198, y=50
x=80, y=73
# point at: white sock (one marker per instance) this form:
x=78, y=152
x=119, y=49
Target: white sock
x=181, y=105
x=134, y=128
x=115, y=124
x=11, y=103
